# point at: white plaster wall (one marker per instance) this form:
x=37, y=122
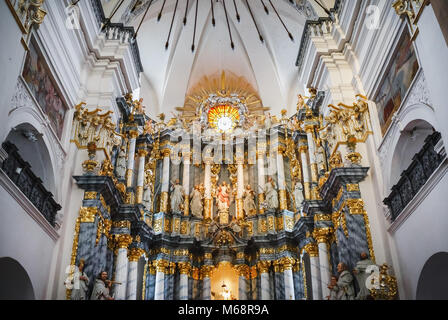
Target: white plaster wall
x=22, y=239
x=422, y=235
x=11, y=55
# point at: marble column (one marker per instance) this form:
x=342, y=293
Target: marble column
x=261, y=177
x=288, y=276
x=165, y=181
x=151, y=281
x=206, y=284
x=312, y=250
x=281, y=180
x=263, y=268
x=160, y=266
x=186, y=182
x=131, y=288
x=312, y=153
x=208, y=201
x=131, y=155
x=121, y=265
x=321, y=236
x=184, y=269
x=141, y=174
x=240, y=188
x=305, y=172
x=243, y=272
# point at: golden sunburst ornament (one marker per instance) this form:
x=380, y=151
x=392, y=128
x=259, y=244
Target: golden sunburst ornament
x=223, y=117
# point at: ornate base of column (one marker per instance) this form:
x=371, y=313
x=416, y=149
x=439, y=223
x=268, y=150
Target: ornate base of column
x=164, y=201
x=260, y=201
x=208, y=209
x=186, y=206
x=282, y=199
x=139, y=194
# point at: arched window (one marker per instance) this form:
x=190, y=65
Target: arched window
x=15, y=284
x=433, y=280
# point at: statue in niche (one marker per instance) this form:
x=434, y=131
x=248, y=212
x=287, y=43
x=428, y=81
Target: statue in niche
x=271, y=194
x=249, y=202
x=196, y=206
x=320, y=155
x=223, y=202
x=361, y=275
x=120, y=168
x=298, y=194
x=147, y=196
x=177, y=197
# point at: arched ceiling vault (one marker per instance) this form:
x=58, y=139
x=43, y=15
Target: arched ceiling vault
x=170, y=73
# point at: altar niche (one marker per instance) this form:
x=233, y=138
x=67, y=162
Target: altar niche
x=224, y=282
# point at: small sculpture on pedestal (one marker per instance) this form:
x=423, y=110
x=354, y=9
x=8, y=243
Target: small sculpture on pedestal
x=196, y=206
x=298, y=195
x=120, y=168
x=271, y=195
x=177, y=197
x=249, y=202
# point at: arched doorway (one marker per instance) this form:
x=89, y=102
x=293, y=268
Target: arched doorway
x=433, y=281
x=224, y=282
x=15, y=284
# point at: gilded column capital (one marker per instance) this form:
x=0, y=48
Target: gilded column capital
x=206, y=271
x=133, y=134
x=184, y=267
x=311, y=249
x=122, y=241
x=287, y=263
x=322, y=235
x=243, y=270
x=87, y=214
x=135, y=254
x=195, y=273
x=161, y=265
x=142, y=152
x=263, y=266
x=278, y=266
x=303, y=149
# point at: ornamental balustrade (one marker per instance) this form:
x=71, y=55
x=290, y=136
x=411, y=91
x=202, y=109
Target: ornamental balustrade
x=19, y=171
x=315, y=28
x=117, y=31
x=423, y=165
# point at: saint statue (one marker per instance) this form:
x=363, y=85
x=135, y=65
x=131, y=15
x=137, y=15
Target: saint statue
x=147, y=198
x=120, y=168
x=101, y=289
x=361, y=275
x=271, y=194
x=196, y=206
x=177, y=197
x=345, y=283
x=249, y=202
x=223, y=202
x=334, y=289
x=298, y=194
x=80, y=283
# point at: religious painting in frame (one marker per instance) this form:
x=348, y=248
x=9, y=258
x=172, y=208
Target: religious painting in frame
x=398, y=78
x=43, y=87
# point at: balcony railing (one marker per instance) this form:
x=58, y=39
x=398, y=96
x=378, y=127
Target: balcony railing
x=117, y=31
x=423, y=165
x=19, y=171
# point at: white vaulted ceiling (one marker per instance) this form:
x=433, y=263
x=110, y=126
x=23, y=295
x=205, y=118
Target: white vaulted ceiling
x=170, y=73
